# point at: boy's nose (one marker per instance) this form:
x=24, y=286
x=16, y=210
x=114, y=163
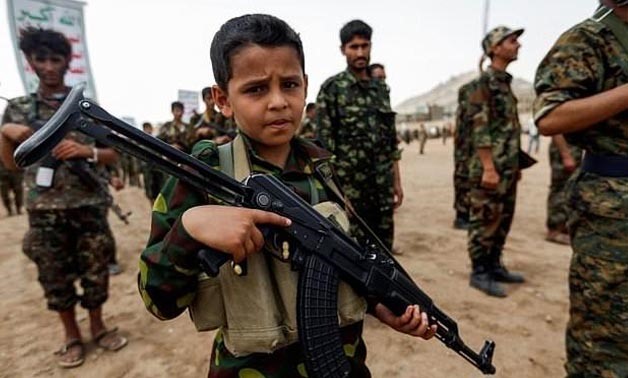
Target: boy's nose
x=277, y=100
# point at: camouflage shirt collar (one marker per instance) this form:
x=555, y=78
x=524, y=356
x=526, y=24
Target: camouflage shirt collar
x=304, y=157
x=349, y=76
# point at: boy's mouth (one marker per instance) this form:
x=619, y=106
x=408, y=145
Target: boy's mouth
x=281, y=122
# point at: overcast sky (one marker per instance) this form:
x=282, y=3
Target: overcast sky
x=143, y=51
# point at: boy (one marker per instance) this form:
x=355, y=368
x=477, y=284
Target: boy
x=67, y=232
x=258, y=65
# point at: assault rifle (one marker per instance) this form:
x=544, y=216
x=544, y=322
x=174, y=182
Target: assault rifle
x=320, y=251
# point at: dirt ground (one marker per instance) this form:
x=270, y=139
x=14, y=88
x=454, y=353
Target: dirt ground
x=527, y=326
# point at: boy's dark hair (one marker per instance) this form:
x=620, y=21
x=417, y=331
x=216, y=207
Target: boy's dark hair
x=355, y=28
x=205, y=91
x=375, y=66
x=177, y=104
x=310, y=106
x=251, y=29
x=42, y=42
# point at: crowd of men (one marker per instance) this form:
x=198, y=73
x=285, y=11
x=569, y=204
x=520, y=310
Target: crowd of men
x=582, y=97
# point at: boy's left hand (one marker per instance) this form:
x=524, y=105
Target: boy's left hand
x=412, y=322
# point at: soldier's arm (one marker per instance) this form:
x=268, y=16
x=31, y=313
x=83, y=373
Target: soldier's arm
x=12, y=133
x=479, y=110
x=580, y=114
x=564, y=83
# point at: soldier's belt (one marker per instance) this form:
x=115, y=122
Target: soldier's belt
x=605, y=165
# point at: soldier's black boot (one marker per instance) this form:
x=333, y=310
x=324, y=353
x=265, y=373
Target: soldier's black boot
x=482, y=279
x=501, y=274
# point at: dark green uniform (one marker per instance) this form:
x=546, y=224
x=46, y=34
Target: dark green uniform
x=169, y=268
x=176, y=134
x=355, y=122
x=493, y=109
x=586, y=60
x=557, y=210
x=308, y=128
x=66, y=237
x=215, y=124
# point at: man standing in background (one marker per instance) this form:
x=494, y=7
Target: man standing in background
x=355, y=122
x=494, y=163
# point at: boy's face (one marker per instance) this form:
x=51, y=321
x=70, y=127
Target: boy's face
x=266, y=94
x=357, y=52
x=177, y=112
x=50, y=68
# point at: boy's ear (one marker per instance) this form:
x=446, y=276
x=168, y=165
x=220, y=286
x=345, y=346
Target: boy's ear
x=305, y=84
x=221, y=99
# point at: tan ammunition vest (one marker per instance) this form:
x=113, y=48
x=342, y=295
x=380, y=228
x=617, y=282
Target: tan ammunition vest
x=257, y=312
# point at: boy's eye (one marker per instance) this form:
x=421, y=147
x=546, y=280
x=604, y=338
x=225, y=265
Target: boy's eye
x=255, y=89
x=291, y=84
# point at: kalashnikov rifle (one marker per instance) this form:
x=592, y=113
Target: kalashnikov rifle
x=320, y=251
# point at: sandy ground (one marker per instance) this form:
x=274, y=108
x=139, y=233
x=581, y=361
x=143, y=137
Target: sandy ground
x=527, y=326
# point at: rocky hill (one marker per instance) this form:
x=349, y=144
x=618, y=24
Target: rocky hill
x=446, y=95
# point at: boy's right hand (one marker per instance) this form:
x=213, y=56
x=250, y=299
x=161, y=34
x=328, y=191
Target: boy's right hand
x=229, y=229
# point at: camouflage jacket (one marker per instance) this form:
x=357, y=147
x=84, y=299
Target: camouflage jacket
x=586, y=60
x=67, y=190
x=492, y=107
x=179, y=134
x=168, y=266
x=355, y=122
x=462, y=134
x=308, y=128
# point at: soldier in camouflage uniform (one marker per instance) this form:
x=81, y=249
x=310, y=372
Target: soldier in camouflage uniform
x=176, y=132
x=355, y=122
x=65, y=236
x=153, y=177
x=308, y=125
x=462, y=153
x=11, y=181
x=267, y=120
x=582, y=93
x=493, y=166
x=564, y=160
x=212, y=124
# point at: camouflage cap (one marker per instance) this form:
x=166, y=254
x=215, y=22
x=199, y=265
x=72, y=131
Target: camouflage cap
x=495, y=36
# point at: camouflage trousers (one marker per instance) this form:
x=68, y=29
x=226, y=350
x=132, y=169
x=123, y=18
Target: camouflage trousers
x=12, y=182
x=109, y=240
x=67, y=245
x=490, y=218
x=597, y=332
x=461, y=195
x=287, y=362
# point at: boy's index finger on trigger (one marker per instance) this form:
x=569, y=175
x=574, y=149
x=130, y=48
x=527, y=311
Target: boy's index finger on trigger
x=267, y=217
